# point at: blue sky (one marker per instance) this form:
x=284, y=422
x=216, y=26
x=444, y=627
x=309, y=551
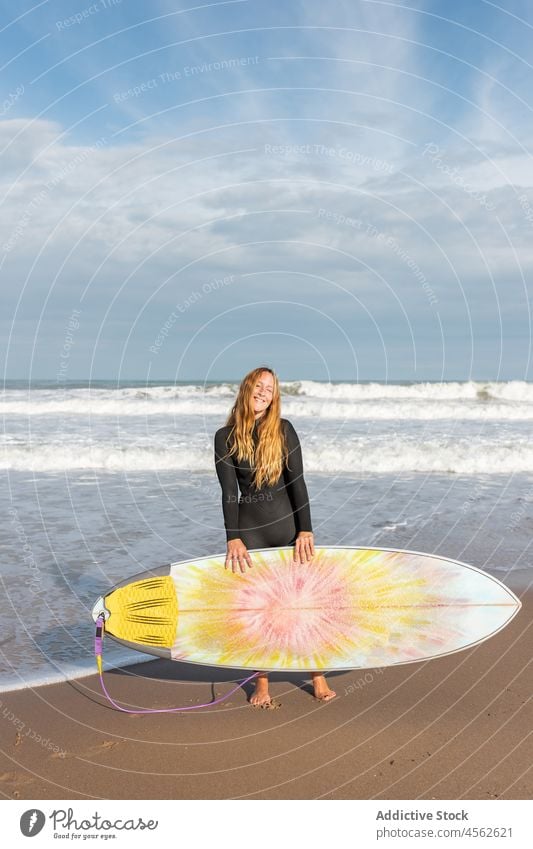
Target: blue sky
x=341, y=190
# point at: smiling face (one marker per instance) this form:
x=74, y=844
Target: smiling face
x=262, y=393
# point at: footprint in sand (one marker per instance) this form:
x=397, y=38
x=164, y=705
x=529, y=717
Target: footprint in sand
x=15, y=781
x=100, y=749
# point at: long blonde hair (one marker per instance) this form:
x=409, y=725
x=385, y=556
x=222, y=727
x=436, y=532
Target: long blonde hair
x=269, y=457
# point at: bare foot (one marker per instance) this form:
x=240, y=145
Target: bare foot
x=322, y=691
x=261, y=695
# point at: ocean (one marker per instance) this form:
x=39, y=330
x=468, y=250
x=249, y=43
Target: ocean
x=105, y=480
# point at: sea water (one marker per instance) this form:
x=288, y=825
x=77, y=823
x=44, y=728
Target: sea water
x=103, y=481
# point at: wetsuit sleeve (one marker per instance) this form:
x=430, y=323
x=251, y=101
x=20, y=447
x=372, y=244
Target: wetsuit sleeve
x=294, y=479
x=227, y=476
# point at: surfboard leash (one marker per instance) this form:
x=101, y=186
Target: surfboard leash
x=98, y=653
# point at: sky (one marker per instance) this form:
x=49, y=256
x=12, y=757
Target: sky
x=340, y=190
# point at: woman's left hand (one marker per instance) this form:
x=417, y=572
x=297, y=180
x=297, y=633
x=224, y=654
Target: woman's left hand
x=304, y=547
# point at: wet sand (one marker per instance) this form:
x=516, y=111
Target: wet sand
x=458, y=727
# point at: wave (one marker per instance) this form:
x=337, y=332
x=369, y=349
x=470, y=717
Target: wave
x=512, y=399
x=340, y=410
x=359, y=455
x=514, y=390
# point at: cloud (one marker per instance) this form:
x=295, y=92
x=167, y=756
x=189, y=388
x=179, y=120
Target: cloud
x=337, y=169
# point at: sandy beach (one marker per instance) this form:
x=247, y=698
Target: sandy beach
x=269, y=274
x=458, y=727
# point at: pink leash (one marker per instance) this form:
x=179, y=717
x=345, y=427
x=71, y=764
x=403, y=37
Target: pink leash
x=98, y=650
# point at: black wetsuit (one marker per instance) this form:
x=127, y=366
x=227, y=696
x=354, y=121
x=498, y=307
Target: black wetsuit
x=268, y=517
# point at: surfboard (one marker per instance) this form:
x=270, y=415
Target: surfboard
x=348, y=608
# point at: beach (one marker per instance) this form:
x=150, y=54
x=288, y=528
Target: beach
x=110, y=482
x=103, y=482
x=311, y=224
x=457, y=727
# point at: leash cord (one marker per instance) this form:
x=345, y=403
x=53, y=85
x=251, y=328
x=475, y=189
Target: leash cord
x=98, y=651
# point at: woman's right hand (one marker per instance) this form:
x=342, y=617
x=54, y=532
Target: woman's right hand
x=237, y=554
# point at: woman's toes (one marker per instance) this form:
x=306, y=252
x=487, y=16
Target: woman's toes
x=325, y=696
x=261, y=698
x=259, y=702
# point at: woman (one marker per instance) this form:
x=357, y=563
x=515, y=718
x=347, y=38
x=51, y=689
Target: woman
x=259, y=452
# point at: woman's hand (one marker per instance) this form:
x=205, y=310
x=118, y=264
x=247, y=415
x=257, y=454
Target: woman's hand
x=237, y=554
x=304, y=547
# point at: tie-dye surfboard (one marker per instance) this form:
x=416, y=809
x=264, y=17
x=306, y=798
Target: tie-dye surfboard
x=349, y=608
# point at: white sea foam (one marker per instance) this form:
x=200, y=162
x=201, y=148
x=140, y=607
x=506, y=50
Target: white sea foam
x=470, y=400
x=310, y=408
x=468, y=428
x=28, y=678
x=514, y=390
x=369, y=454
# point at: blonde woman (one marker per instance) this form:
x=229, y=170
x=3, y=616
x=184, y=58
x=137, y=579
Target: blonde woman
x=259, y=453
